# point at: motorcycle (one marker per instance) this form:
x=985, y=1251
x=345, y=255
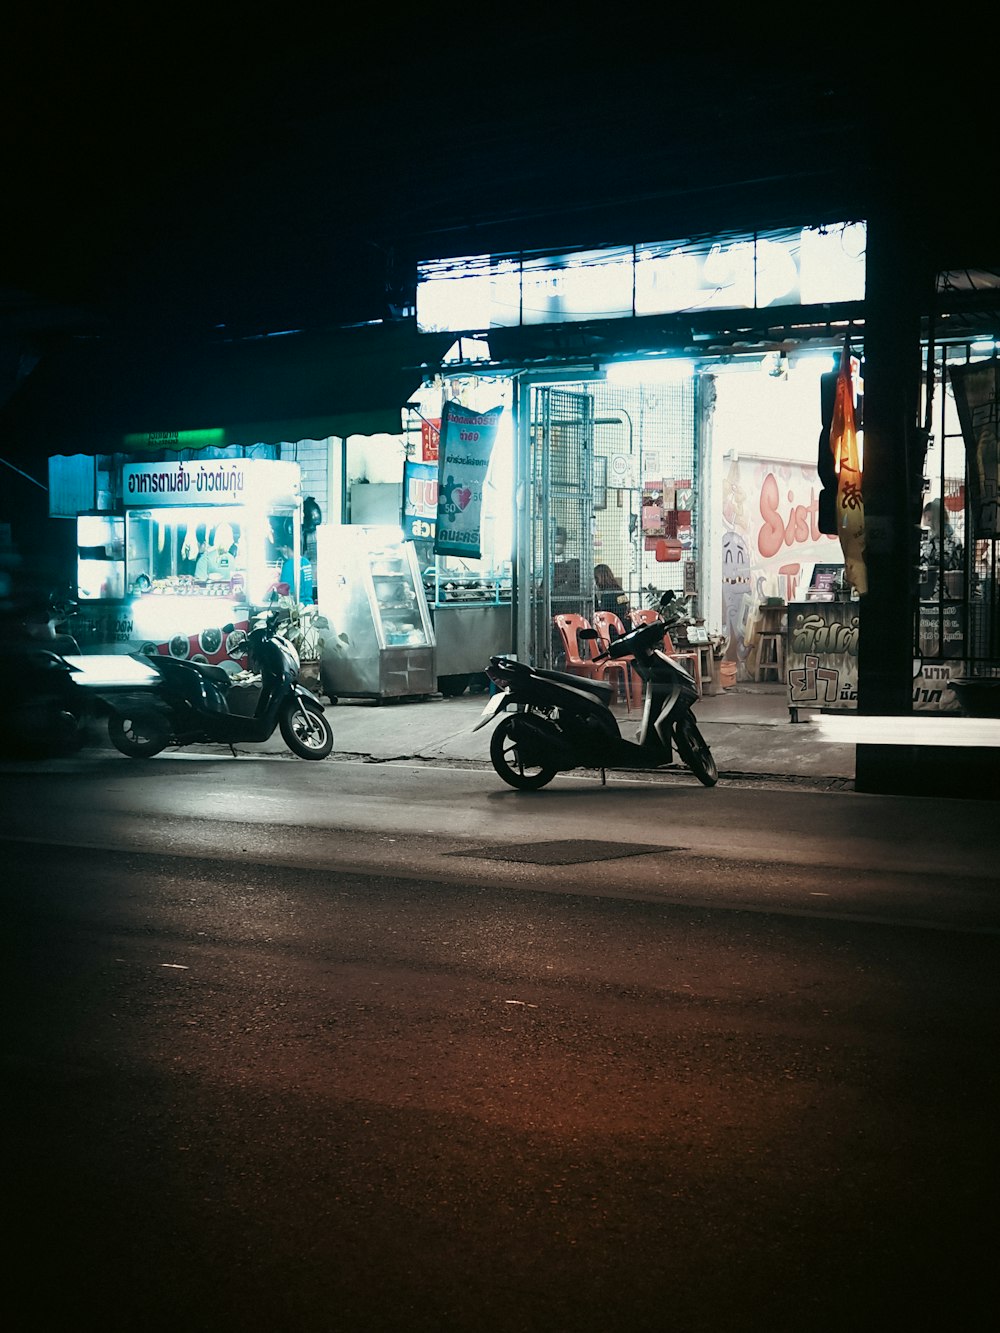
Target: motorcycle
x=562, y=721
x=44, y=711
x=190, y=703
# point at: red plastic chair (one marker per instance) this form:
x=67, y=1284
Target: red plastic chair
x=578, y=663
x=608, y=625
x=691, y=661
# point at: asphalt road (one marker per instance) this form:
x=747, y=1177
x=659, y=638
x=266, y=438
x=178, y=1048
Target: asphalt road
x=296, y=1046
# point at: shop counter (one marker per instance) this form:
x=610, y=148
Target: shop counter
x=468, y=635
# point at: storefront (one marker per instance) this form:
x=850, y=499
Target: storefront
x=180, y=523
x=197, y=547
x=656, y=406
x=662, y=408
x=668, y=407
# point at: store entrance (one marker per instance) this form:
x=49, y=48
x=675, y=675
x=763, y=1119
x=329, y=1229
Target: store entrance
x=562, y=526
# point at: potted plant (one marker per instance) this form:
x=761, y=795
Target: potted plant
x=306, y=630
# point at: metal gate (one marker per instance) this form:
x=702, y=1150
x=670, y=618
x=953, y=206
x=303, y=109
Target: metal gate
x=562, y=519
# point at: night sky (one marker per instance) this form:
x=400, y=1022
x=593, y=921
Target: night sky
x=192, y=177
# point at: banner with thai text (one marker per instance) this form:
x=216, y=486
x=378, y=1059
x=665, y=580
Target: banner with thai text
x=821, y=658
x=420, y=498
x=466, y=444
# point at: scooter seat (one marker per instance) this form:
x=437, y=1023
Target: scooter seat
x=213, y=673
x=600, y=689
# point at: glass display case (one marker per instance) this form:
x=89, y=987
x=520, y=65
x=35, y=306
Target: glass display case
x=100, y=557
x=382, y=642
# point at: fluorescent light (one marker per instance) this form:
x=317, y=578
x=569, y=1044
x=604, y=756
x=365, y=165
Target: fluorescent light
x=651, y=370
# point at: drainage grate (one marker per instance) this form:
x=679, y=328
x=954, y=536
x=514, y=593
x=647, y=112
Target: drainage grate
x=568, y=853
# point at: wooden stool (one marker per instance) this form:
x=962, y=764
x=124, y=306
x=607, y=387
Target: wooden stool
x=771, y=655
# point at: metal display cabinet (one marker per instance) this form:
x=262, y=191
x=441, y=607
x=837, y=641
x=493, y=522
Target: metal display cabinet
x=381, y=643
x=472, y=622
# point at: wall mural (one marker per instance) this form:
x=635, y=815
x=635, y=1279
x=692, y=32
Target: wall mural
x=770, y=541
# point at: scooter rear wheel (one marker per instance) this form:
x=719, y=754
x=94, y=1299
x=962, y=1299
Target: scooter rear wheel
x=506, y=758
x=139, y=735
x=305, y=729
x=693, y=749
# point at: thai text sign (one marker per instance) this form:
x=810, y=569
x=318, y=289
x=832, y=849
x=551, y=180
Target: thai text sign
x=420, y=498
x=466, y=445
x=217, y=481
x=822, y=655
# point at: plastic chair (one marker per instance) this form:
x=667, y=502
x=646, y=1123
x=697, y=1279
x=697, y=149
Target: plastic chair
x=569, y=626
x=692, y=661
x=608, y=625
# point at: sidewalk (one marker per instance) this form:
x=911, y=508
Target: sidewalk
x=748, y=728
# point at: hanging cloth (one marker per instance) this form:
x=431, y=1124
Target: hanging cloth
x=847, y=466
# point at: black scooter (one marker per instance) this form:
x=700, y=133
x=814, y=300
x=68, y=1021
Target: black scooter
x=189, y=705
x=564, y=721
x=44, y=712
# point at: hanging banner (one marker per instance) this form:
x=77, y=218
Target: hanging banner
x=430, y=434
x=977, y=398
x=420, y=497
x=466, y=444
x=847, y=465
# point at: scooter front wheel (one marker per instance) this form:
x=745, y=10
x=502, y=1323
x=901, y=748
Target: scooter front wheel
x=693, y=749
x=305, y=729
x=505, y=754
x=138, y=735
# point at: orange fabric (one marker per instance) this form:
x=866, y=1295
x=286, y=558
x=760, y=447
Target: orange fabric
x=847, y=465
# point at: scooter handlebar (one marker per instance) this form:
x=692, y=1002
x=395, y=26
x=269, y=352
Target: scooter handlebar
x=645, y=638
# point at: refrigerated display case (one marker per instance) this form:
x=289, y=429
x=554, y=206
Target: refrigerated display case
x=381, y=643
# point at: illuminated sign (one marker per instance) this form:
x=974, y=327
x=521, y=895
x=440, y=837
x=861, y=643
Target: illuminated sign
x=807, y=266
x=221, y=481
x=174, y=439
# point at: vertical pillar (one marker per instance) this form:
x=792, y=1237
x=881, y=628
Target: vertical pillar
x=897, y=293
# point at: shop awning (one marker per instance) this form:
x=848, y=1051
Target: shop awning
x=107, y=396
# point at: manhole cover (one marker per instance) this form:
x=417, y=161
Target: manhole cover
x=567, y=853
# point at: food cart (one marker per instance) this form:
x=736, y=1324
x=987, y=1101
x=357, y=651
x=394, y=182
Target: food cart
x=195, y=550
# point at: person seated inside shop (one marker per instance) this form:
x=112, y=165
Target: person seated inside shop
x=216, y=560
x=609, y=595
x=286, y=574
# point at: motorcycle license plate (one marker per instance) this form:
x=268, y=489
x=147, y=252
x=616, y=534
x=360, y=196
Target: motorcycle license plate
x=496, y=704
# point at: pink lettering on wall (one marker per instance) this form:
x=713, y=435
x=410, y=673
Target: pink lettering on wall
x=782, y=528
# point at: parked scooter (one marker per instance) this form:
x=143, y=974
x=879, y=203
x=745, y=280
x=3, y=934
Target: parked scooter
x=189, y=705
x=564, y=721
x=44, y=712
x=48, y=626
